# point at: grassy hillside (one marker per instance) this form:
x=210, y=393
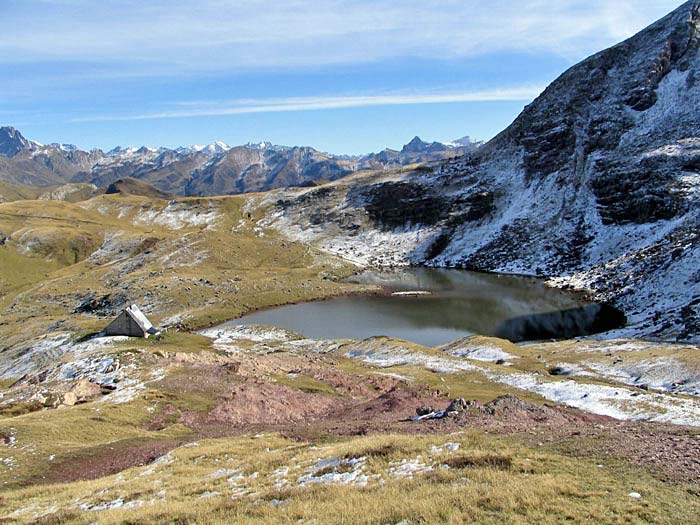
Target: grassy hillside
x=258, y=424
x=131, y=186
x=66, y=192
x=15, y=192
x=247, y=480
x=192, y=262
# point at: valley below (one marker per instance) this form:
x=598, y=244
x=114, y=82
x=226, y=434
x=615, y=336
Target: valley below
x=254, y=423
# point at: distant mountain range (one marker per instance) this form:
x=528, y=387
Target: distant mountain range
x=214, y=169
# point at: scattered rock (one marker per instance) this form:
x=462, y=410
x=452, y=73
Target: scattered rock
x=457, y=405
x=424, y=410
x=82, y=391
x=104, y=306
x=560, y=371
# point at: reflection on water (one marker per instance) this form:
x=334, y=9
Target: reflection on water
x=462, y=303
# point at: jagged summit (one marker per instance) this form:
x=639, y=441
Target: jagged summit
x=13, y=142
x=416, y=145
x=216, y=168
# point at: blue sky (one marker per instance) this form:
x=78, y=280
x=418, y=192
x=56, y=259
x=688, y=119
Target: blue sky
x=347, y=76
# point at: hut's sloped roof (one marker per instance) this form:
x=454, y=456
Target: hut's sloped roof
x=140, y=319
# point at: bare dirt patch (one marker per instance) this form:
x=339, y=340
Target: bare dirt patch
x=93, y=463
x=260, y=403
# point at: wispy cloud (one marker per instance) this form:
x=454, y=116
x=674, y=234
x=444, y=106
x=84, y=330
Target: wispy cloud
x=224, y=35
x=248, y=106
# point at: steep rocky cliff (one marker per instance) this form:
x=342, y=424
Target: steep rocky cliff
x=596, y=185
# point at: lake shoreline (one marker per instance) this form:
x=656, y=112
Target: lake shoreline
x=429, y=306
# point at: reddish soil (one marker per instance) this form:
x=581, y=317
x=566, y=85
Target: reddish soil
x=104, y=461
x=240, y=401
x=260, y=403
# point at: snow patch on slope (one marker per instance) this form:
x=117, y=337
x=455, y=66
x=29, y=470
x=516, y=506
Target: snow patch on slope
x=178, y=215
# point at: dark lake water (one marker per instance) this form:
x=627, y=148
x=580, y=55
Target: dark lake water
x=461, y=303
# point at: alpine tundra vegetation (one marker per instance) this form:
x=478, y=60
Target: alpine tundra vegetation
x=593, y=190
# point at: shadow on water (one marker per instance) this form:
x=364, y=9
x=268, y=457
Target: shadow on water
x=562, y=324
x=460, y=303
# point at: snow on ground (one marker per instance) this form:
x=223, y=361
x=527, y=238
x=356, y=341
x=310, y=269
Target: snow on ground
x=66, y=361
x=617, y=402
x=376, y=247
x=365, y=246
x=337, y=470
x=614, y=346
x=115, y=247
x=223, y=473
x=569, y=369
x=30, y=358
x=400, y=377
x=407, y=468
x=63, y=192
x=446, y=447
x=131, y=387
x=235, y=339
x=317, y=346
x=178, y=215
x=210, y=494
x=186, y=251
x=229, y=338
x=661, y=373
x=386, y=357
x=98, y=343
x=109, y=372
x=34, y=510
x=118, y=503
x=489, y=354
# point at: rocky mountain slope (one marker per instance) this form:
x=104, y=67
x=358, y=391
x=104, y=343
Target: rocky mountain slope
x=596, y=184
x=13, y=142
x=252, y=424
x=216, y=169
x=418, y=151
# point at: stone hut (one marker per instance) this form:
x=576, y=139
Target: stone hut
x=133, y=323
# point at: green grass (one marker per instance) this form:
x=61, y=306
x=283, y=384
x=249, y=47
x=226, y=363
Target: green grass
x=490, y=481
x=173, y=341
x=16, y=192
x=69, y=432
x=200, y=276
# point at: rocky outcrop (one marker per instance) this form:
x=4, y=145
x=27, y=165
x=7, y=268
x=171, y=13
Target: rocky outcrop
x=13, y=142
x=244, y=169
x=598, y=180
x=595, y=185
x=397, y=204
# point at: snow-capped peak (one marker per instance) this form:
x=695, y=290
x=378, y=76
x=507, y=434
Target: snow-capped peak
x=63, y=147
x=143, y=151
x=213, y=148
x=259, y=145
